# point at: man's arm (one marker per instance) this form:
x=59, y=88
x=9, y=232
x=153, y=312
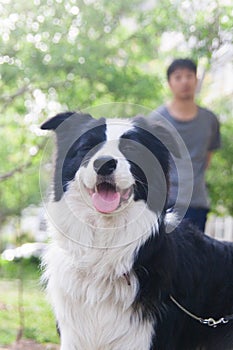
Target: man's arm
x=208, y=159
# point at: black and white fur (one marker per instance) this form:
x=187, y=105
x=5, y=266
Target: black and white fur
x=110, y=272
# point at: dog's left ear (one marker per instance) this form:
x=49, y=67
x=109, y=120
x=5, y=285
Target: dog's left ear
x=161, y=129
x=169, y=137
x=76, y=118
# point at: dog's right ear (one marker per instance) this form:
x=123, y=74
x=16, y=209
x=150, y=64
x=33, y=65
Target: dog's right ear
x=167, y=134
x=54, y=122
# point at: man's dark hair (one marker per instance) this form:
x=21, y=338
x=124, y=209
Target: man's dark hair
x=181, y=63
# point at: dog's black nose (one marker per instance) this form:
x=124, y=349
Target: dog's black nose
x=105, y=165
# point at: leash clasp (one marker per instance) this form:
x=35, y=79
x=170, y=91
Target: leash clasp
x=211, y=322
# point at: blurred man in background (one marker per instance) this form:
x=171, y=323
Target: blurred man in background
x=199, y=129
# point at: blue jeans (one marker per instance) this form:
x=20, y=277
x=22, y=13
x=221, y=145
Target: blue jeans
x=197, y=216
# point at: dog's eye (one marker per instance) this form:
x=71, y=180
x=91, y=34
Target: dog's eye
x=84, y=149
x=129, y=147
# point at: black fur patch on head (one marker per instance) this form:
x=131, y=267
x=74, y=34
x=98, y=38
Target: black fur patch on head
x=149, y=160
x=79, y=136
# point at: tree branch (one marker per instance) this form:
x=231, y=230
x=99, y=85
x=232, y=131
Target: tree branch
x=19, y=169
x=7, y=99
x=19, y=92
x=22, y=167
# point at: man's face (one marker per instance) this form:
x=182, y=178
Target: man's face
x=183, y=83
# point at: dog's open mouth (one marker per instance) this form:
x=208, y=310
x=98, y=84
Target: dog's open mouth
x=107, y=197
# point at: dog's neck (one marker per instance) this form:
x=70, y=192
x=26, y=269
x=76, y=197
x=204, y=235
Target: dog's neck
x=88, y=228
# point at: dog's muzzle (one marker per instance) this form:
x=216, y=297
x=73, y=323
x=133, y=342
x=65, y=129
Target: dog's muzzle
x=107, y=196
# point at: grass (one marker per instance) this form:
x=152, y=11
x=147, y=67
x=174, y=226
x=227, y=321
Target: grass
x=38, y=319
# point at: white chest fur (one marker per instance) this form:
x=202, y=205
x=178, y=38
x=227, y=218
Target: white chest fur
x=85, y=267
x=93, y=305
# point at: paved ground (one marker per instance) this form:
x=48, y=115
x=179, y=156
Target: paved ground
x=30, y=345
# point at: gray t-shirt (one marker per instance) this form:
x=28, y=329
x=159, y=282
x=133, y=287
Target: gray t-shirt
x=200, y=135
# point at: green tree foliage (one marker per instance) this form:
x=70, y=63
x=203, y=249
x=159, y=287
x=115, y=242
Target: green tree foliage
x=220, y=174
x=73, y=54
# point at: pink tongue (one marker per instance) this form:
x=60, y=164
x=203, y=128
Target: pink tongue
x=106, y=201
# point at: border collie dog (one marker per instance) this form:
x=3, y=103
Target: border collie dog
x=115, y=278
